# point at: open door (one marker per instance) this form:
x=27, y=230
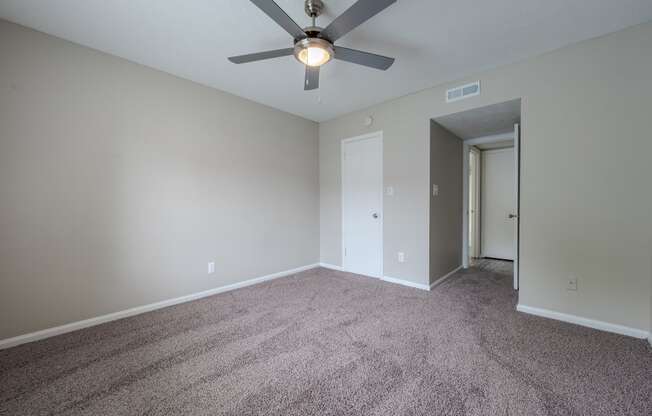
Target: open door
x=516, y=216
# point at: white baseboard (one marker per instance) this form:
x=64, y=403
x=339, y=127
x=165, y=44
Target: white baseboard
x=384, y=278
x=444, y=277
x=590, y=323
x=405, y=283
x=331, y=266
x=74, y=326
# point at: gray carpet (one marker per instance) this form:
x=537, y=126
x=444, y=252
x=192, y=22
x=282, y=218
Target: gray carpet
x=331, y=343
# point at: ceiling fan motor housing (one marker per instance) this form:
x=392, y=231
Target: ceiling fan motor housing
x=314, y=8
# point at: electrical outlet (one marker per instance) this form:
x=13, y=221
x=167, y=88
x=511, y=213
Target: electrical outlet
x=401, y=257
x=211, y=267
x=571, y=283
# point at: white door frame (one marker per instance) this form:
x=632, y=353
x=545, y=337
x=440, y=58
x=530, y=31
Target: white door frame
x=379, y=135
x=465, y=192
x=475, y=243
x=517, y=189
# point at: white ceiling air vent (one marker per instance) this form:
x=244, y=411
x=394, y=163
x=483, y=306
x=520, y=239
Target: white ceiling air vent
x=462, y=92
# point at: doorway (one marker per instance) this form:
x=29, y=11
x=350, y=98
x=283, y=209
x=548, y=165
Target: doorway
x=491, y=138
x=498, y=185
x=362, y=205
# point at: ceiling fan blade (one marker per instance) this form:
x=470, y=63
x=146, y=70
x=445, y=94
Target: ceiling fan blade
x=356, y=15
x=260, y=56
x=279, y=16
x=312, y=78
x=363, y=58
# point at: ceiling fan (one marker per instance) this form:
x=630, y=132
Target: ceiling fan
x=314, y=46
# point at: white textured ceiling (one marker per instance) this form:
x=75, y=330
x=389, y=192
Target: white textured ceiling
x=484, y=121
x=433, y=41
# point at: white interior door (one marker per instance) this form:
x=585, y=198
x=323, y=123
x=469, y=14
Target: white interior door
x=498, y=202
x=362, y=186
x=517, y=189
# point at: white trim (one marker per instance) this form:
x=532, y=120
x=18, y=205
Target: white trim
x=405, y=283
x=578, y=320
x=466, y=150
x=331, y=266
x=493, y=138
x=649, y=339
x=504, y=150
x=444, y=277
x=390, y=279
x=474, y=182
x=517, y=207
x=363, y=136
x=74, y=326
x=379, y=135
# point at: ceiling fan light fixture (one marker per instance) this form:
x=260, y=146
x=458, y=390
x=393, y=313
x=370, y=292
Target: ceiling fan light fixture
x=313, y=52
x=314, y=46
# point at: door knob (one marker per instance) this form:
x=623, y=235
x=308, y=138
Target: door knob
x=510, y=216
x=375, y=215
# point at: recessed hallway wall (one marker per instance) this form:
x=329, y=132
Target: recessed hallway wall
x=446, y=210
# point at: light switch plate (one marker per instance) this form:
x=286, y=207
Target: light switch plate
x=389, y=191
x=435, y=190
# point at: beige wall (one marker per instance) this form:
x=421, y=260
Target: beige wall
x=446, y=208
x=585, y=200
x=119, y=183
x=405, y=167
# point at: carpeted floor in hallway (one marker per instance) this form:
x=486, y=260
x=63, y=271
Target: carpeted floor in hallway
x=330, y=343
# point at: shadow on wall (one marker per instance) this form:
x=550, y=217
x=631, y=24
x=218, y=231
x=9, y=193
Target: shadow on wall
x=445, y=233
